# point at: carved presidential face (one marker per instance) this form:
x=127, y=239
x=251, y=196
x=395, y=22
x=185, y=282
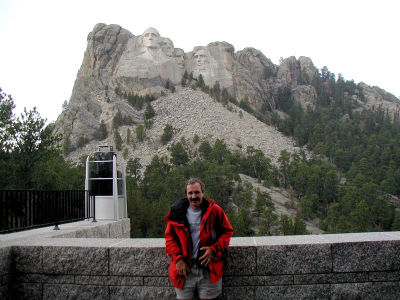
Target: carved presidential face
x=180, y=57
x=167, y=46
x=201, y=58
x=151, y=38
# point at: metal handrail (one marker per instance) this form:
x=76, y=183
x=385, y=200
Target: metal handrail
x=26, y=209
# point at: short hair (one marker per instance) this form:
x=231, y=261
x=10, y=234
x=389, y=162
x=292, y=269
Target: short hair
x=192, y=181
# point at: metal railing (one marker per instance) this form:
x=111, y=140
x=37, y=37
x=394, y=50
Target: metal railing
x=26, y=209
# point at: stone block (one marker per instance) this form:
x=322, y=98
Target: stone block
x=320, y=291
x=81, y=234
x=74, y=291
x=75, y=260
x=29, y=277
x=43, y=278
x=240, y=260
x=59, y=279
x=366, y=256
x=157, y=281
x=330, y=278
x=368, y=290
x=89, y=280
x=5, y=260
x=126, y=228
x=124, y=280
x=27, y=291
x=243, y=293
x=294, y=259
x=256, y=280
x=4, y=292
x=139, y=293
x=115, y=229
x=139, y=261
x=384, y=276
x=5, y=279
x=100, y=231
x=69, y=235
x=28, y=259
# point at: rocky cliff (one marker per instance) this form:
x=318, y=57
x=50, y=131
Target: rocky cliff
x=118, y=64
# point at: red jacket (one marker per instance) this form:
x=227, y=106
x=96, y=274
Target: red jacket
x=215, y=231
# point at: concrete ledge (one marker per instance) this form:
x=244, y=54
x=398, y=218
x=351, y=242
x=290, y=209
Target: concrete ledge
x=82, y=229
x=66, y=265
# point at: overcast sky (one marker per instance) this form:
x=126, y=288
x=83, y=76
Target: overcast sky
x=43, y=42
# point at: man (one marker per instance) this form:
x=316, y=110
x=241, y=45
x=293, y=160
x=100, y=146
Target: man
x=198, y=231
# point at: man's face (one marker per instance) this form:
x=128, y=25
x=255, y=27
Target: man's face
x=195, y=195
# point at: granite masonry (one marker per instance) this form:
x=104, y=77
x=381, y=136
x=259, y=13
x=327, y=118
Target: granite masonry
x=99, y=263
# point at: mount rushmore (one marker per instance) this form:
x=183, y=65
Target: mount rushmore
x=116, y=63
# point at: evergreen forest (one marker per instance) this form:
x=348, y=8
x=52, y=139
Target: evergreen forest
x=359, y=147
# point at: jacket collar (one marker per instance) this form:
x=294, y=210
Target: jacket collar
x=178, y=209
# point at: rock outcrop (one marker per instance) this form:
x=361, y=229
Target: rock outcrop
x=118, y=64
x=377, y=98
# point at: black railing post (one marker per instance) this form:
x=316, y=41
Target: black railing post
x=87, y=209
x=56, y=208
x=94, y=208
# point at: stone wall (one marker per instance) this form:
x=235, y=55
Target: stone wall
x=5, y=271
x=340, y=266
x=30, y=243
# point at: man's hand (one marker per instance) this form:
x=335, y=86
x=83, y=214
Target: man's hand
x=182, y=268
x=208, y=255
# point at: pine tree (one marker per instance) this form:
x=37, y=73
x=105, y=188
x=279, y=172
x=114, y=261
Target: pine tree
x=133, y=168
x=101, y=133
x=200, y=81
x=179, y=155
x=261, y=204
x=268, y=222
x=140, y=133
x=205, y=149
x=125, y=153
x=64, y=105
x=117, y=140
x=67, y=146
x=128, y=136
x=396, y=222
x=183, y=82
x=195, y=139
x=167, y=134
